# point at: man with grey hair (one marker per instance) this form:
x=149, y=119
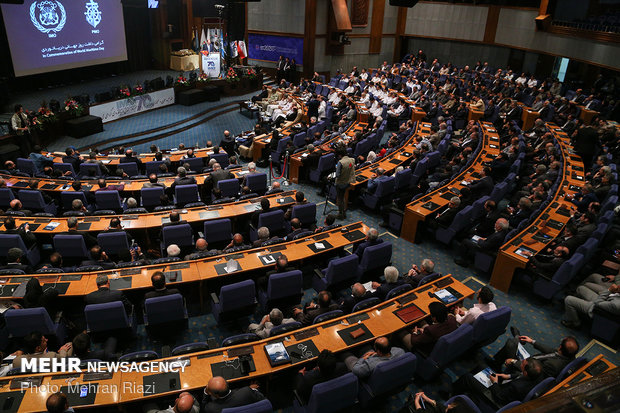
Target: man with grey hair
x=173, y=250
x=444, y=218
x=392, y=281
x=269, y=321
x=263, y=236
x=182, y=179
x=373, y=182
x=470, y=246
x=358, y=293
x=417, y=274
x=132, y=203
x=72, y=224
x=372, y=238
x=105, y=295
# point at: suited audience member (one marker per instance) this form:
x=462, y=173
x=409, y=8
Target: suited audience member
x=329, y=223
x=328, y=367
x=370, y=358
x=14, y=259
x=58, y=403
x=105, y=295
x=490, y=244
x=358, y=293
x=72, y=224
x=269, y=321
x=484, y=305
x=415, y=274
x=444, y=218
x=36, y=297
x=323, y=305
x=35, y=346
x=391, y=281
x=82, y=350
x=184, y=403
x=300, y=199
x=424, y=337
x=23, y=231
x=218, y=396
x=236, y=244
x=372, y=238
x=201, y=250
x=182, y=179
x=98, y=257
x=296, y=229
x=158, y=280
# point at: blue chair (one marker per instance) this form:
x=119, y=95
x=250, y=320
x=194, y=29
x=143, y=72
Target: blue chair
x=330, y=396
x=509, y=406
x=71, y=246
x=374, y=258
x=86, y=168
x=462, y=220
x=139, y=356
x=605, y=326
x=447, y=349
x=257, y=183
x=21, y=322
x=66, y=198
x=8, y=241
x=402, y=180
x=180, y=234
x=65, y=167
x=339, y=272
x=6, y=196
x=570, y=368
x=234, y=300
x=263, y=406
x=33, y=200
x=388, y=377
x=274, y=220
x=282, y=288
x=218, y=231
x=429, y=278
x=540, y=389
x=240, y=339
x=130, y=168
x=465, y=400
x=168, y=310
x=384, y=191
x=396, y=291
x=327, y=316
x=152, y=167
x=489, y=326
x=299, y=139
x=189, y=348
x=108, y=316
x=186, y=194
x=284, y=328
x=151, y=197
x=326, y=163
x=195, y=164
x=229, y=187
x=364, y=304
x=109, y=200
x=26, y=166
x=113, y=243
x=221, y=158
x=306, y=214
x=548, y=288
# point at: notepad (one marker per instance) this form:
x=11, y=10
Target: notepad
x=525, y=252
x=51, y=226
x=445, y=295
x=483, y=377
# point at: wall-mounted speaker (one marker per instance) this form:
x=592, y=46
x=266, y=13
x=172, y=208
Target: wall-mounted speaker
x=403, y=3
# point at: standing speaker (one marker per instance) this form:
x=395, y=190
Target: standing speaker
x=403, y=3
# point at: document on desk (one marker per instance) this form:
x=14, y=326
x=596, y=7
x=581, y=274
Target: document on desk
x=522, y=353
x=51, y=226
x=483, y=377
x=368, y=287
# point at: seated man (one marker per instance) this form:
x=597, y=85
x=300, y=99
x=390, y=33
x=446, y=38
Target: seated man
x=23, y=231
x=327, y=368
x=425, y=337
x=484, y=305
x=415, y=274
x=296, y=229
x=300, y=199
x=372, y=238
x=72, y=224
x=391, y=281
x=236, y=244
x=312, y=310
x=364, y=366
x=98, y=257
x=544, y=265
x=35, y=346
x=491, y=244
x=105, y=295
x=373, y=182
x=263, y=237
x=201, y=251
x=329, y=223
x=218, y=396
x=185, y=403
x=269, y=321
x=14, y=258
x=58, y=403
x=358, y=293
x=158, y=280
x=444, y=218
x=82, y=350
x=586, y=301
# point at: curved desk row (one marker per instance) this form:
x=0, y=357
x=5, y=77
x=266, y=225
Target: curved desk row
x=517, y=251
x=121, y=387
x=135, y=278
x=429, y=204
x=156, y=219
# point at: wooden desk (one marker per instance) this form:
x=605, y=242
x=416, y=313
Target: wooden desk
x=584, y=373
x=474, y=115
x=379, y=321
x=586, y=115
x=114, y=159
x=415, y=212
x=205, y=269
x=528, y=117
x=508, y=260
x=155, y=219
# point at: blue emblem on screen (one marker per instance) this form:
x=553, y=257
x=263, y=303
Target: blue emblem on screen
x=93, y=14
x=48, y=15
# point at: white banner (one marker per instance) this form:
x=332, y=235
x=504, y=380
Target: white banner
x=119, y=109
x=211, y=64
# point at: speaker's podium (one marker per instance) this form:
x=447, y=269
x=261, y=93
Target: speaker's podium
x=83, y=126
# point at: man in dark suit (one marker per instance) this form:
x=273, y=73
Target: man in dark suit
x=14, y=261
x=372, y=238
x=182, y=179
x=73, y=158
x=586, y=142
x=105, y=295
x=228, y=143
x=313, y=107
x=72, y=223
x=530, y=374
x=311, y=311
x=115, y=226
x=491, y=244
x=219, y=174
x=391, y=281
x=159, y=284
x=82, y=350
x=129, y=157
x=300, y=199
x=373, y=183
x=327, y=369
x=425, y=337
x=217, y=396
x=98, y=257
x=444, y=218
x=23, y=231
x=296, y=229
x=358, y=293
x=484, y=185
x=514, y=112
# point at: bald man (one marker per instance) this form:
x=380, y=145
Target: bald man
x=236, y=244
x=228, y=143
x=358, y=293
x=201, y=251
x=275, y=188
x=218, y=396
x=185, y=403
x=57, y=403
x=381, y=351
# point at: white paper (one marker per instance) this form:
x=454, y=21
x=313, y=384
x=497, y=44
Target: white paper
x=368, y=287
x=319, y=245
x=232, y=266
x=483, y=377
x=522, y=353
x=476, y=238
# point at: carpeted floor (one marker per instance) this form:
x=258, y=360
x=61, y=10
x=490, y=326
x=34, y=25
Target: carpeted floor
x=534, y=317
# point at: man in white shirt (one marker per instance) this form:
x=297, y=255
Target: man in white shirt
x=521, y=79
x=364, y=75
x=532, y=82
x=484, y=305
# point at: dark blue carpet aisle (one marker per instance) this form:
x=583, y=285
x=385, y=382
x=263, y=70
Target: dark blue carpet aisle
x=534, y=317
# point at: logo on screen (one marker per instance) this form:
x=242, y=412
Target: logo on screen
x=48, y=16
x=92, y=13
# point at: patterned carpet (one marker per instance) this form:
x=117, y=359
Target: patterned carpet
x=534, y=317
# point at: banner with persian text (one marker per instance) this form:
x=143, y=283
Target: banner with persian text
x=119, y=109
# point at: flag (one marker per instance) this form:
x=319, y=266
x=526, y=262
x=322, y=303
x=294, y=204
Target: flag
x=203, y=40
x=242, y=50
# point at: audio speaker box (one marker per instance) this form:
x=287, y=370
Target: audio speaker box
x=403, y=3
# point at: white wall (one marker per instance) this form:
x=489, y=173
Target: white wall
x=446, y=20
x=285, y=16
x=517, y=28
